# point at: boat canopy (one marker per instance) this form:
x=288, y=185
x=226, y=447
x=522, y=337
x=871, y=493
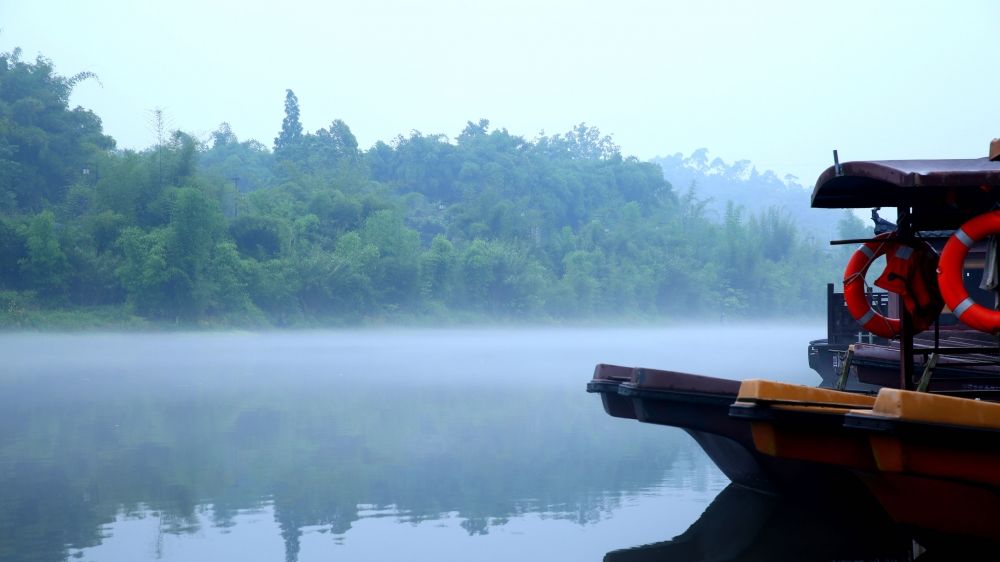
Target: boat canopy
x=941, y=193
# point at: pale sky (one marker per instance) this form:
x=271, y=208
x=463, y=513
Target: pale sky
x=780, y=83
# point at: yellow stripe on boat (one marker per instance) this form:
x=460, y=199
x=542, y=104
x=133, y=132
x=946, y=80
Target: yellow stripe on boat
x=766, y=392
x=907, y=405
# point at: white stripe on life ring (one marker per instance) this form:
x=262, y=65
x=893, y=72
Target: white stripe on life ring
x=963, y=306
x=964, y=238
x=868, y=316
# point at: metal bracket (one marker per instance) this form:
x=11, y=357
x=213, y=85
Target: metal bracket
x=925, y=379
x=845, y=368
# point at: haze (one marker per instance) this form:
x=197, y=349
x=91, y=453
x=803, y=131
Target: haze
x=778, y=83
x=536, y=357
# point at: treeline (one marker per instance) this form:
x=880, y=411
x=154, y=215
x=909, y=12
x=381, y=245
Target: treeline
x=487, y=225
x=744, y=185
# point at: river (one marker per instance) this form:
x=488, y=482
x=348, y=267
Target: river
x=375, y=444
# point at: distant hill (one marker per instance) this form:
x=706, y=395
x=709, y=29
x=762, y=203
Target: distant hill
x=744, y=185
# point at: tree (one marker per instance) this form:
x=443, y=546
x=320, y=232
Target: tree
x=344, y=140
x=325, y=151
x=195, y=227
x=44, y=145
x=437, y=269
x=583, y=142
x=13, y=249
x=45, y=267
x=288, y=143
x=851, y=227
x=245, y=166
x=257, y=237
x=153, y=286
x=223, y=136
x=396, y=273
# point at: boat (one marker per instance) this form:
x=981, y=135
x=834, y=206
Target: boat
x=930, y=460
x=694, y=403
x=936, y=458
x=606, y=380
x=700, y=406
x=788, y=420
x=910, y=377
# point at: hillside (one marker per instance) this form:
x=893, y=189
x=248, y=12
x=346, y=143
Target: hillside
x=745, y=186
x=315, y=230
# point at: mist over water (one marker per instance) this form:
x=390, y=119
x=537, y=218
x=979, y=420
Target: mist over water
x=538, y=356
x=362, y=444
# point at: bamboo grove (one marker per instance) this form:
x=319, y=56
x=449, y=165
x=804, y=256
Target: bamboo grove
x=315, y=230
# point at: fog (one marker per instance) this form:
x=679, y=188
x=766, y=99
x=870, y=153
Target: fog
x=356, y=444
x=467, y=356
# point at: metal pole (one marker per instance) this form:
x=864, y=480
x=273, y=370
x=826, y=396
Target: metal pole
x=906, y=321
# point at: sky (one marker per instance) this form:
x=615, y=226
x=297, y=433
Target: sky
x=779, y=83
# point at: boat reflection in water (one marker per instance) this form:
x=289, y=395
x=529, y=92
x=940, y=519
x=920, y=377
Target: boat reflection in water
x=743, y=524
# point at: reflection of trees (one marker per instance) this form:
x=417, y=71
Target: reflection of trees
x=42, y=509
x=85, y=452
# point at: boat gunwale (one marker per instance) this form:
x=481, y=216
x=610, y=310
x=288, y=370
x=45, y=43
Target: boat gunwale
x=603, y=386
x=820, y=416
x=951, y=434
x=634, y=391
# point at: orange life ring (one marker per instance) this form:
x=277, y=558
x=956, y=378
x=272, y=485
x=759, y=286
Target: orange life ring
x=904, y=260
x=952, y=265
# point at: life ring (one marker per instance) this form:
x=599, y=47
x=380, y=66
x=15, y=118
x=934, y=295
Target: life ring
x=909, y=273
x=951, y=267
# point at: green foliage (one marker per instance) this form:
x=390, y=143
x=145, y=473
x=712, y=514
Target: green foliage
x=245, y=166
x=44, y=145
x=850, y=227
x=153, y=285
x=288, y=143
x=258, y=237
x=45, y=267
x=13, y=250
x=321, y=231
x=438, y=270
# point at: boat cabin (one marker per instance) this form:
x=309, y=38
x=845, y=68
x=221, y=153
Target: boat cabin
x=933, y=199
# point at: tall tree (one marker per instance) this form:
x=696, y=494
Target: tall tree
x=44, y=145
x=289, y=140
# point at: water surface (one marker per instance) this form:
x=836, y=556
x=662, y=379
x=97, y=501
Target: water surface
x=356, y=445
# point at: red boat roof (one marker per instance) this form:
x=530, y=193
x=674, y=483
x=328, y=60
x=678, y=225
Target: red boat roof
x=910, y=183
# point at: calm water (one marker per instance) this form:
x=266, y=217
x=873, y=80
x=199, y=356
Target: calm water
x=361, y=445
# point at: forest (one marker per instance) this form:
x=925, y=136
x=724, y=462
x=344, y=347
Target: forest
x=315, y=230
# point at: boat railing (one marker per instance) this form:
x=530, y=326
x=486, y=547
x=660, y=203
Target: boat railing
x=842, y=330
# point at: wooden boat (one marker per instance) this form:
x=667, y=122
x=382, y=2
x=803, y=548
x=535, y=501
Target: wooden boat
x=932, y=461
x=937, y=460
x=607, y=379
x=802, y=423
x=700, y=406
x=697, y=404
x=931, y=458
